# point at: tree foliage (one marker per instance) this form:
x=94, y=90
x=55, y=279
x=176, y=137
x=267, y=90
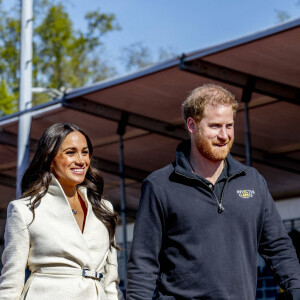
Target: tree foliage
x=9, y=62
x=7, y=101
x=62, y=56
x=137, y=56
x=282, y=16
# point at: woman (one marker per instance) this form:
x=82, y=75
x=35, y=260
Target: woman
x=60, y=229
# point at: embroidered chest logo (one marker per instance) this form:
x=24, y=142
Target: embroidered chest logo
x=245, y=194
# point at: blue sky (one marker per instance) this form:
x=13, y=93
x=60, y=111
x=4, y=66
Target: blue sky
x=178, y=26
x=181, y=26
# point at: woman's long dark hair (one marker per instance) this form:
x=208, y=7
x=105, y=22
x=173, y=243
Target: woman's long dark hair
x=37, y=177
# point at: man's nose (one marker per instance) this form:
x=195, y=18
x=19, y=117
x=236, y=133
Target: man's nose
x=223, y=134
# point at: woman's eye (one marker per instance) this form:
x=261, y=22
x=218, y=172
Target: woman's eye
x=70, y=152
x=85, y=152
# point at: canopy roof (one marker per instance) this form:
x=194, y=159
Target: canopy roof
x=263, y=67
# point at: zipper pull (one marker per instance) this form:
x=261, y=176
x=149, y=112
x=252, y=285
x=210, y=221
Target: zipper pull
x=220, y=208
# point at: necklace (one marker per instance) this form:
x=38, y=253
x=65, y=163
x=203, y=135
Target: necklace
x=74, y=211
x=220, y=206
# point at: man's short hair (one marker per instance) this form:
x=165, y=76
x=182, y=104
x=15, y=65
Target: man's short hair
x=212, y=94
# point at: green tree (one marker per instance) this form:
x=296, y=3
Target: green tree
x=7, y=101
x=62, y=56
x=9, y=50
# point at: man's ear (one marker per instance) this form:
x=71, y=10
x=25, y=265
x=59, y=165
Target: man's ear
x=191, y=125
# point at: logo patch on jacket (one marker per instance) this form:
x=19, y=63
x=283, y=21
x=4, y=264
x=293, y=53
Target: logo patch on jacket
x=245, y=193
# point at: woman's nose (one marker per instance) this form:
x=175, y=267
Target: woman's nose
x=79, y=158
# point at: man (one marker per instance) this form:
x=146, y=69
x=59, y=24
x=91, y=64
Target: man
x=203, y=218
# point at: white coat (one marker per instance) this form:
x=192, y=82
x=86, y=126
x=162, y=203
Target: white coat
x=56, y=252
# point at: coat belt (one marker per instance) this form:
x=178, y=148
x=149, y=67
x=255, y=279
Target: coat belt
x=85, y=272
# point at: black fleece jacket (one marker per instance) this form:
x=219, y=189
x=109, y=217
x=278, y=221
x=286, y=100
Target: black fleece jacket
x=189, y=250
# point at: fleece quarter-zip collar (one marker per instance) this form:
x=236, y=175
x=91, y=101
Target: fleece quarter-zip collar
x=182, y=165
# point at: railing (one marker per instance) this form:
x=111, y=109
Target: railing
x=267, y=288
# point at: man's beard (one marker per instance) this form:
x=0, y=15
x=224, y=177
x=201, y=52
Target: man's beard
x=213, y=153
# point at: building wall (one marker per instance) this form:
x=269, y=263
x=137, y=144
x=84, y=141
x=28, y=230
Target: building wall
x=289, y=208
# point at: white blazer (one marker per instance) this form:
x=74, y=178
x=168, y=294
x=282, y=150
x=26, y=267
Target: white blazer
x=56, y=252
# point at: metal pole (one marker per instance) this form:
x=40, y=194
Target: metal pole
x=247, y=135
x=246, y=98
x=25, y=96
x=121, y=131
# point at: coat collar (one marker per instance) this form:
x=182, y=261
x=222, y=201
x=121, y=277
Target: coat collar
x=55, y=189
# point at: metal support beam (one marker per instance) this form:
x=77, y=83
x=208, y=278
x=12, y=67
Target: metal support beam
x=262, y=86
x=120, y=131
x=8, y=181
x=286, y=195
x=3, y=217
x=247, y=135
x=114, y=168
x=246, y=98
x=9, y=139
x=135, y=120
x=25, y=91
x=275, y=161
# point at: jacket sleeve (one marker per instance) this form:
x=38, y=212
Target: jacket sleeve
x=143, y=265
x=277, y=249
x=110, y=275
x=15, y=254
